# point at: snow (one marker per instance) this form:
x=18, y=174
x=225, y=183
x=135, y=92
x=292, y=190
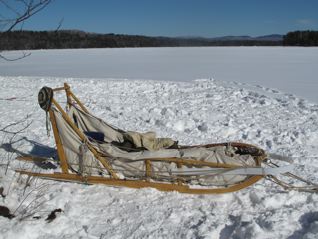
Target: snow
x=289, y=69
x=193, y=112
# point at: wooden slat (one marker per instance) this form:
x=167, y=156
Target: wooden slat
x=59, y=146
x=67, y=92
x=148, y=169
x=70, y=94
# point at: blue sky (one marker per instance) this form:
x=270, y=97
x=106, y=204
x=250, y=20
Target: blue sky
x=208, y=18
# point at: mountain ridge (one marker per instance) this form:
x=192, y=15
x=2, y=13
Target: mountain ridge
x=270, y=37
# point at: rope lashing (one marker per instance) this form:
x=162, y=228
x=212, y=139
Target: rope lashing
x=45, y=97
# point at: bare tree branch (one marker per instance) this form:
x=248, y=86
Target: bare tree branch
x=24, y=54
x=31, y=9
x=60, y=24
x=13, y=134
x=21, y=13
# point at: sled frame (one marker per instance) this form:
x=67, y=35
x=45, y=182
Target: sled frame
x=149, y=180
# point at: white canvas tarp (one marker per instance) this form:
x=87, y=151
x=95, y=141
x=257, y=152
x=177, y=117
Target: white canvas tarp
x=131, y=164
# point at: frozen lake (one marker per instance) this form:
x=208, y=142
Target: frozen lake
x=290, y=69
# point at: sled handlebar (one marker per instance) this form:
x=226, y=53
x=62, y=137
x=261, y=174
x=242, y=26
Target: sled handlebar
x=65, y=87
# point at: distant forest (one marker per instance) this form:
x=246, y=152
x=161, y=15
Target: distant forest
x=62, y=39
x=301, y=38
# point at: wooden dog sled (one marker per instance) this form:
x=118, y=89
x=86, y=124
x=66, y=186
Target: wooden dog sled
x=131, y=159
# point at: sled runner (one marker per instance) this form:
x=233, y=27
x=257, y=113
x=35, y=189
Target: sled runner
x=91, y=151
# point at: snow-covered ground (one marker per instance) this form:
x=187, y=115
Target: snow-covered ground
x=194, y=112
x=290, y=69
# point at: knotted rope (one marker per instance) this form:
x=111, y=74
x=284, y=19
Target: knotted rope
x=45, y=97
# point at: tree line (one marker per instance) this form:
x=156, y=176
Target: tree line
x=63, y=39
x=301, y=38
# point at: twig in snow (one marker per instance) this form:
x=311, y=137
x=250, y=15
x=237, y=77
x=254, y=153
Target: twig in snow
x=52, y=215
